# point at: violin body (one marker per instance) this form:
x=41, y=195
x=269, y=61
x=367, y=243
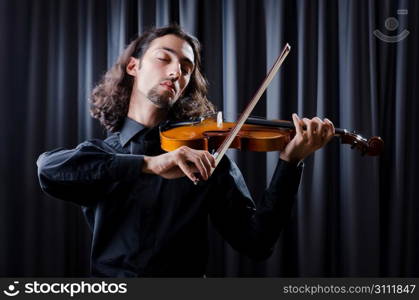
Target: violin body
x=255, y=135
x=209, y=135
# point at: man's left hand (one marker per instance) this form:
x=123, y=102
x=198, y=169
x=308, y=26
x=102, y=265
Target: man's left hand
x=317, y=134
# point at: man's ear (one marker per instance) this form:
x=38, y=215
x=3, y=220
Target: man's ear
x=132, y=66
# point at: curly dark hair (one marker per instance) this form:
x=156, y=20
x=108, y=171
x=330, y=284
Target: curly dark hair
x=110, y=98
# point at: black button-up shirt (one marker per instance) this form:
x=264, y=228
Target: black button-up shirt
x=145, y=225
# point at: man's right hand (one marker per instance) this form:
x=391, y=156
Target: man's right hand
x=183, y=161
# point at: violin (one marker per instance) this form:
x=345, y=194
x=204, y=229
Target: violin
x=247, y=133
x=256, y=134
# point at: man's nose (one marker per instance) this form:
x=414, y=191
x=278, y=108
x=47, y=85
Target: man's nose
x=174, y=71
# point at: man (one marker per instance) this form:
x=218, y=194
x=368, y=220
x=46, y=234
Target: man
x=147, y=216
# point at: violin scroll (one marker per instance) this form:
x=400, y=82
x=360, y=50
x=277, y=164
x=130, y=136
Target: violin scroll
x=371, y=147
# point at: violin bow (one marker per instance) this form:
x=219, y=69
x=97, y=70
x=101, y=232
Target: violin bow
x=218, y=155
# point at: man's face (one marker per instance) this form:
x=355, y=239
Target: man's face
x=165, y=70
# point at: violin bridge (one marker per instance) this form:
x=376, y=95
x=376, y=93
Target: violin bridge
x=220, y=119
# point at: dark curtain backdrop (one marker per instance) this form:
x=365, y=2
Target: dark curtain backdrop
x=355, y=216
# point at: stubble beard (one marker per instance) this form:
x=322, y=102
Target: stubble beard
x=159, y=99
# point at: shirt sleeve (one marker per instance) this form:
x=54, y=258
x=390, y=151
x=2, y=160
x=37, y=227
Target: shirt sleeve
x=253, y=230
x=86, y=173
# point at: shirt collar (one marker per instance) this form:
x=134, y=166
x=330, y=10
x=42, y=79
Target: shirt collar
x=129, y=130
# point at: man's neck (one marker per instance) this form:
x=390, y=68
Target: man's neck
x=145, y=112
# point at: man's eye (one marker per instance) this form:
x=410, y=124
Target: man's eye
x=162, y=59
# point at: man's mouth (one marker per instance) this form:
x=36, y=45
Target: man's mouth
x=169, y=85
